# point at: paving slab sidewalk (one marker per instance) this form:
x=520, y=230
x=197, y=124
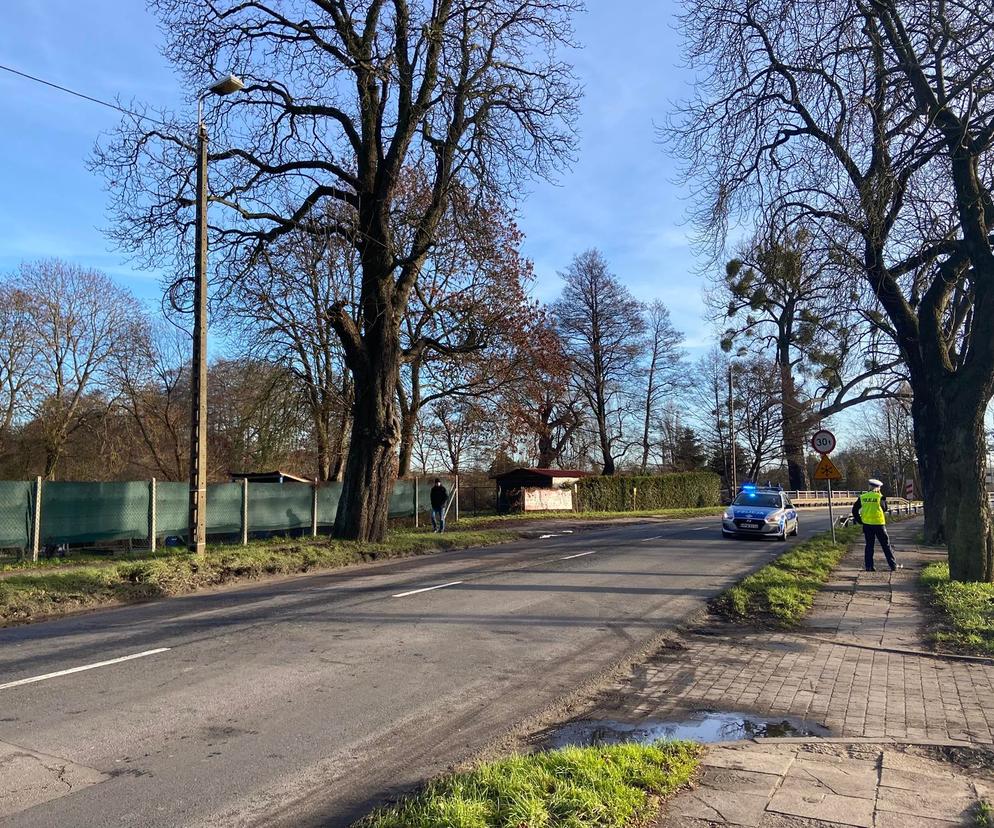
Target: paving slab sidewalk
x=910, y=734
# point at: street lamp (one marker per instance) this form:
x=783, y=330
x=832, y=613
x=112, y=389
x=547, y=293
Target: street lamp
x=198, y=396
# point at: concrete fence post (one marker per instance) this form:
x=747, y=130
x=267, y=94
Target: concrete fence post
x=314, y=510
x=36, y=522
x=245, y=511
x=456, y=518
x=417, y=506
x=152, y=529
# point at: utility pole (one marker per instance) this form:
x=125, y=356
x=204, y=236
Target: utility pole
x=198, y=364
x=198, y=367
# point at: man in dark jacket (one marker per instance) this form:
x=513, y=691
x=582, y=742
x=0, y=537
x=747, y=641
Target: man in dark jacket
x=439, y=495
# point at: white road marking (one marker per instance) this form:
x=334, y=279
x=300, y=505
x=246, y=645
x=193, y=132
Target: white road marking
x=570, y=557
x=654, y=537
x=546, y=537
x=425, y=589
x=702, y=529
x=71, y=670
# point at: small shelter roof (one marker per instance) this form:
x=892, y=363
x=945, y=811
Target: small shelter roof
x=277, y=476
x=526, y=476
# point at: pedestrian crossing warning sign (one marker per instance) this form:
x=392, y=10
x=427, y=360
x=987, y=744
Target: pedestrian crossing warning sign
x=827, y=470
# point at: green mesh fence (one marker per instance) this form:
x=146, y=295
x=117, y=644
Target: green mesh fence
x=94, y=512
x=78, y=513
x=275, y=507
x=172, y=509
x=16, y=501
x=328, y=495
x=224, y=508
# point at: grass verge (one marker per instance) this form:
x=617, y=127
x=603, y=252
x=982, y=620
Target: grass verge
x=964, y=613
x=782, y=592
x=595, y=787
x=37, y=594
x=480, y=521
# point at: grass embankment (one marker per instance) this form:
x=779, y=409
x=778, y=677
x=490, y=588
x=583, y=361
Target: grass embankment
x=964, y=612
x=783, y=591
x=35, y=594
x=595, y=787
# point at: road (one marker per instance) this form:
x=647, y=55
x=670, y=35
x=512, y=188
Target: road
x=300, y=701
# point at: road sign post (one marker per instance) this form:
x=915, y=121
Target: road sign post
x=831, y=513
x=824, y=443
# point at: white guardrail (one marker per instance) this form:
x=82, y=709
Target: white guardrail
x=820, y=498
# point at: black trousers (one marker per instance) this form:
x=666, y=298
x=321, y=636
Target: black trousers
x=878, y=533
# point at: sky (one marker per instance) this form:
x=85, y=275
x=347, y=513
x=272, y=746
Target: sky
x=618, y=197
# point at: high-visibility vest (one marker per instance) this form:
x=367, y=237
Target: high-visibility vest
x=870, y=511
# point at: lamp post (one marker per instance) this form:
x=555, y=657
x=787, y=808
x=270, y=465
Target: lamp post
x=198, y=395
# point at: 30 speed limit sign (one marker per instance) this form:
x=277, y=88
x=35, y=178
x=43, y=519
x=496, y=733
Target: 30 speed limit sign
x=823, y=442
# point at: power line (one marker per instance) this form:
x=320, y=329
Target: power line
x=90, y=98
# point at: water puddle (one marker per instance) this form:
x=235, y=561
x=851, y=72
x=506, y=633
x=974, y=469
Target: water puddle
x=699, y=726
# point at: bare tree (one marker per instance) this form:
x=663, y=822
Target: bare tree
x=601, y=326
x=280, y=312
x=872, y=121
x=82, y=322
x=780, y=300
x=341, y=99
x=663, y=371
x=18, y=357
x=154, y=379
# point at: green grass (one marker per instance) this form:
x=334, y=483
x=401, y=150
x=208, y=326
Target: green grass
x=984, y=815
x=782, y=592
x=594, y=787
x=28, y=595
x=964, y=612
x=524, y=517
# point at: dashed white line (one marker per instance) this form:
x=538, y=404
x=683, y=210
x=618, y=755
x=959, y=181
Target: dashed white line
x=570, y=557
x=426, y=589
x=701, y=529
x=71, y=670
x=654, y=537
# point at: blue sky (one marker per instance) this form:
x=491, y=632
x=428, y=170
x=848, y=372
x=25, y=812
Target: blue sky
x=619, y=196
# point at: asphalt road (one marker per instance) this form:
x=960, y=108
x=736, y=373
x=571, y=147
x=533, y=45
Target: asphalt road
x=298, y=702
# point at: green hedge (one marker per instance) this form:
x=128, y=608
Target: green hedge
x=681, y=490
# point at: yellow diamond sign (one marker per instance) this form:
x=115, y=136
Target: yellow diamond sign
x=827, y=470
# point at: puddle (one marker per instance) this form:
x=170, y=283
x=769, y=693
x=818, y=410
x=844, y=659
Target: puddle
x=700, y=726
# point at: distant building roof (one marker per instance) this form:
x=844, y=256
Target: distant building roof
x=549, y=473
x=269, y=477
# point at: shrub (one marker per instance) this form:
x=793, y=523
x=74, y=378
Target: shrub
x=681, y=490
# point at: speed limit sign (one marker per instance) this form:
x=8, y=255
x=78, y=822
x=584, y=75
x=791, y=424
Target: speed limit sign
x=823, y=442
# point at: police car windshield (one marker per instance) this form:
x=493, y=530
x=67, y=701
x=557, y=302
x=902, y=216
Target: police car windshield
x=765, y=500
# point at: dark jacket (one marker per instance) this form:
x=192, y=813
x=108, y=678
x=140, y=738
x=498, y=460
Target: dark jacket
x=438, y=495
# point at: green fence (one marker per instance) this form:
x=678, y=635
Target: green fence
x=145, y=514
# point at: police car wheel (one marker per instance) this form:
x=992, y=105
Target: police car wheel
x=783, y=533
x=797, y=528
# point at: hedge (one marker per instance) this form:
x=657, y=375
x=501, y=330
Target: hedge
x=681, y=490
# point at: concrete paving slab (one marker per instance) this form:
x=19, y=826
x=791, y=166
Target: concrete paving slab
x=891, y=820
x=842, y=777
x=814, y=801
x=743, y=809
x=749, y=760
x=739, y=781
x=933, y=803
x=31, y=778
x=916, y=781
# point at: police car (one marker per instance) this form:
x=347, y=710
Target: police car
x=763, y=512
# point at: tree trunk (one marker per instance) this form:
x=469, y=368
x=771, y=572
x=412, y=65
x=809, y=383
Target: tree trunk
x=792, y=420
x=371, y=467
x=968, y=513
x=927, y=421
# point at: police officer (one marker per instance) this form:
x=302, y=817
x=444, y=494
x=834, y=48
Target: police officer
x=870, y=509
